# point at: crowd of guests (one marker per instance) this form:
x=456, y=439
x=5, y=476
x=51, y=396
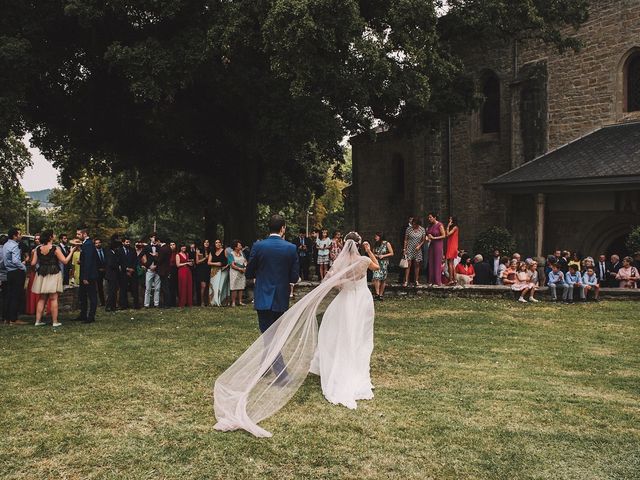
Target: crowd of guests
x=563, y=272
x=153, y=273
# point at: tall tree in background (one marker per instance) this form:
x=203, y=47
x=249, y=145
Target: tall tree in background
x=250, y=96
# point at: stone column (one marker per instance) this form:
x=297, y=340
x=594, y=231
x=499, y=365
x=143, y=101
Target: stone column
x=540, y=207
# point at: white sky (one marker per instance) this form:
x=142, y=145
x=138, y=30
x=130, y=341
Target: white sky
x=42, y=175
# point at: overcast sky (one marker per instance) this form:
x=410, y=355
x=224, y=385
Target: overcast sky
x=42, y=175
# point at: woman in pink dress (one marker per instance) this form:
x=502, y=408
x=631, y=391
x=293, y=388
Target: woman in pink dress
x=185, y=278
x=436, y=235
x=452, y=248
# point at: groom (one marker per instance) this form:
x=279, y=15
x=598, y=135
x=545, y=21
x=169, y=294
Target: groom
x=273, y=262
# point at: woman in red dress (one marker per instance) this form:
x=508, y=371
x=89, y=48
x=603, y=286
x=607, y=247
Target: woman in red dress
x=452, y=248
x=31, y=299
x=185, y=278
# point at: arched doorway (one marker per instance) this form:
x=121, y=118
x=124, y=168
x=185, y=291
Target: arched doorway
x=619, y=247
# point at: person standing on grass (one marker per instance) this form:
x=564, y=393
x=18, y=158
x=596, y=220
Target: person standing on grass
x=323, y=245
x=185, y=280
x=237, y=278
x=383, y=251
x=48, y=282
x=414, y=239
x=436, y=235
x=453, y=232
x=87, y=293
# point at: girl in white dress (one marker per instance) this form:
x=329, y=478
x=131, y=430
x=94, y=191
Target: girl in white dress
x=251, y=390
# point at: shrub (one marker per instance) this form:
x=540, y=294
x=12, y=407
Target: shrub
x=495, y=238
x=633, y=242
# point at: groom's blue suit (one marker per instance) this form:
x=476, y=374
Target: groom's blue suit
x=273, y=262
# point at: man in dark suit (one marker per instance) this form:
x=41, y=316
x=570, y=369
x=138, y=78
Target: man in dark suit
x=484, y=271
x=274, y=264
x=64, y=248
x=112, y=274
x=88, y=277
x=164, y=270
x=304, y=248
x=603, y=268
x=128, y=281
x=102, y=267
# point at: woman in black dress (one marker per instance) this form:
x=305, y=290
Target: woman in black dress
x=203, y=271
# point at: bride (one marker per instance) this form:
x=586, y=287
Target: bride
x=256, y=386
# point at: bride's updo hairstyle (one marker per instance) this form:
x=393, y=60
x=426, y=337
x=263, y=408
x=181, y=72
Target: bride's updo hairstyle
x=355, y=236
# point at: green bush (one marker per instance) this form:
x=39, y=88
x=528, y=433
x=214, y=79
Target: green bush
x=633, y=242
x=495, y=238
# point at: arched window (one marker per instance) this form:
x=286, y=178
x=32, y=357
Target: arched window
x=632, y=83
x=490, y=111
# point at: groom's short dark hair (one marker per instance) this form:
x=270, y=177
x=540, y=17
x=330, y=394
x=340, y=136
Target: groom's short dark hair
x=276, y=222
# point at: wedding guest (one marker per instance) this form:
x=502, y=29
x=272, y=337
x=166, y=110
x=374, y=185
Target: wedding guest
x=315, y=234
x=563, y=261
x=193, y=253
x=185, y=280
x=101, y=270
x=219, y=275
x=128, y=282
x=509, y=273
x=452, y=248
x=203, y=271
x=591, y=284
x=616, y=265
x=111, y=264
x=304, y=248
x=75, y=267
x=414, y=238
x=403, y=233
x=504, y=265
x=87, y=295
x=3, y=278
x=627, y=274
x=574, y=259
x=573, y=279
x=237, y=281
x=141, y=268
x=494, y=262
x=534, y=280
x=603, y=270
x=164, y=271
x=383, y=251
x=517, y=257
x=336, y=246
x=31, y=298
x=436, y=235
x=152, y=279
x=16, y=274
x=484, y=271
x=48, y=283
x=521, y=283
x=63, y=243
x=555, y=281
x=173, y=275
x=323, y=244
x=587, y=262
x=464, y=271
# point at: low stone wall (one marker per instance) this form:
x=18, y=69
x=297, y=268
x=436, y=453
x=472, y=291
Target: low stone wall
x=69, y=299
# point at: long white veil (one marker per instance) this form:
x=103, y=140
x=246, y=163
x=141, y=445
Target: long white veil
x=265, y=377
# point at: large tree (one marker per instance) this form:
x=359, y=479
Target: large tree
x=253, y=96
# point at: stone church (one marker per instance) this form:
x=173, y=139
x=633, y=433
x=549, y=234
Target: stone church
x=553, y=154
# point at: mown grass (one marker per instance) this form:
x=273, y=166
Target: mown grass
x=464, y=389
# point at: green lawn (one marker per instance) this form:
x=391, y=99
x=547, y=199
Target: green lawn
x=464, y=389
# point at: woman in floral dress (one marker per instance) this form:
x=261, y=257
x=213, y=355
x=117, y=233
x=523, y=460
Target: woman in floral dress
x=382, y=251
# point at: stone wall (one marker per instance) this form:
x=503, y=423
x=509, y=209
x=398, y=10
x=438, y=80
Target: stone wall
x=547, y=99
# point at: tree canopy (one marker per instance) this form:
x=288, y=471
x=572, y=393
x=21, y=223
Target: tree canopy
x=251, y=96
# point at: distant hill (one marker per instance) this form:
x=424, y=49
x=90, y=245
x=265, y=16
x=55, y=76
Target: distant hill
x=42, y=196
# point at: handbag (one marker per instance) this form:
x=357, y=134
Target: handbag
x=404, y=263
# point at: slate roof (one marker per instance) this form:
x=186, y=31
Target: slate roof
x=608, y=157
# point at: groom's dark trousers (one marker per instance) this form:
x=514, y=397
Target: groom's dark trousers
x=266, y=318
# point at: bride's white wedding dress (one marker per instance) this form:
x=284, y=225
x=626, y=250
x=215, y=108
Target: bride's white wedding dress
x=345, y=344
x=256, y=386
